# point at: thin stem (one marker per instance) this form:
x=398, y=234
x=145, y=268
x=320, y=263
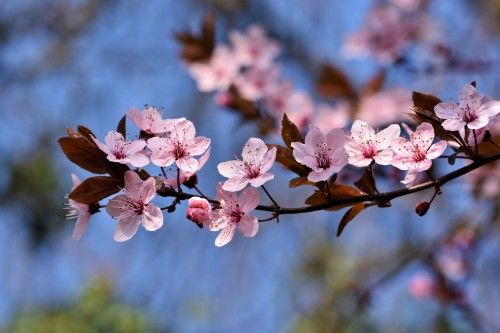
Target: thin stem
x=462, y=157
x=163, y=172
x=270, y=197
x=179, y=180
x=197, y=189
x=475, y=143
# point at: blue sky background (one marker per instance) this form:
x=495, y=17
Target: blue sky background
x=127, y=57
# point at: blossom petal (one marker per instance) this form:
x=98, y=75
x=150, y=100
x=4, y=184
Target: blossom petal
x=199, y=146
x=436, y=149
x=423, y=135
x=384, y=138
x=302, y=154
x=226, y=235
x=453, y=124
x=187, y=164
x=319, y=176
x=402, y=162
x=313, y=137
x=402, y=147
x=114, y=140
x=102, y=147
x=362, y=132
x=81, y=225
x=335, y=138
x=421, y=165
x=249, y=199
x=254, y=150
x=268, y=160
x=133, y=183
x=447, y=110
x=136, y=116
x=479, y=123
x=126, y=229
x=261, y=179
x=490, y=109
x=231, y=169
x=235, y=184
x=384, y=157
x=248, y=226
x=152, y=217
x=147, y=190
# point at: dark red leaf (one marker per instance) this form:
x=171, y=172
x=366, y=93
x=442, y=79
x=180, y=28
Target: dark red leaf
x=94, y=189
x=198, y=47
x=332, y=82
x=367, y=182
x=284, y=156
x=374, y=84
x=289, y=132
x=122, y=127
x=349, y=215
x=85, y=154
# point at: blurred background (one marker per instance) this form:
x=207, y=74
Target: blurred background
x=64, y=63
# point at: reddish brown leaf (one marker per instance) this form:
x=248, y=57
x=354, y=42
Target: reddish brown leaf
x=425, y=101
x=349, y=215
x=84, y=154
x=284, y=156
x=374, y=84
x=299, y=181
x=332, y=82
x=94, y=189
x=337, y=191
x=367, y=182
x=198, y=47
x=87, y=133
x=289, y=132
x=122, y=127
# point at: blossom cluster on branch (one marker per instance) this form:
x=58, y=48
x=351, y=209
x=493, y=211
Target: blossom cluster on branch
x=172, y=146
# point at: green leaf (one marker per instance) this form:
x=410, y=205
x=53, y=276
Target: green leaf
x=349, y=215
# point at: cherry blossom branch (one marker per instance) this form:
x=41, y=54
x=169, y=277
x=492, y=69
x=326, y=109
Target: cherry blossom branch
x=379, y=197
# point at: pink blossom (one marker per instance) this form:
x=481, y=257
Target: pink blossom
x=179, y=147
x=417, y=155
x=254, y=48
x=199, y=211
x=121, y=151
x=253, y=169
x=324, y=154
x=297, y=105
x=421, y=285
x=185, y=176
x=256, y=82
x=234, y=214
x=133, y=208
x=216, y=74
x=150, y=120
x=329, y=117
x=384, y=107
x=365, y=146
x=79, y=211
x=472, y=111
x=385, y=35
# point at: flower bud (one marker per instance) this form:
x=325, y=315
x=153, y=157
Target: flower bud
x=199, y=211
x=422, y=208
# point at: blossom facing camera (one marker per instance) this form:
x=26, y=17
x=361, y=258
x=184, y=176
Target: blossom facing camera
x=417, y=155
x=79, y=211
x=199, y=211
x=324, y=154
x=365, y=146
x=179, y=148
x=133, y=208
x=121, y=151
x=473, y=111
x=253, y=169
x=234, y=213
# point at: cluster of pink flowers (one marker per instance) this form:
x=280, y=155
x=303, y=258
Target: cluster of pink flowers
x=249, y=65
x=388, y=30
x=173, y=143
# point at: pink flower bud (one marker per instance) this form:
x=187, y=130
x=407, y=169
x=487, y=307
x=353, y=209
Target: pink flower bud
x=199, y=211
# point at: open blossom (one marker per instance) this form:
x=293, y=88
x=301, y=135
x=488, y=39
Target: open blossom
x=121, y=151
x=199, y=211
x=365, y=146
x=234, y=214
x=253, y=169
x=150, y=120
x=473, y=111
x=254, y=48
x=133, y=208
x=79, y=211
x=417, y=155
x=216, y=74
x=324, y=154
x=179, y=147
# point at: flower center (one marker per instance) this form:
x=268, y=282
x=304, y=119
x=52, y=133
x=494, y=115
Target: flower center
x=251, y=170
x=419, y=155
x=180, y=151
x=323, y=160
x=469, y=115
x=236, y=215
x=119, y=154
x=369, y=150
x=138, y=207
